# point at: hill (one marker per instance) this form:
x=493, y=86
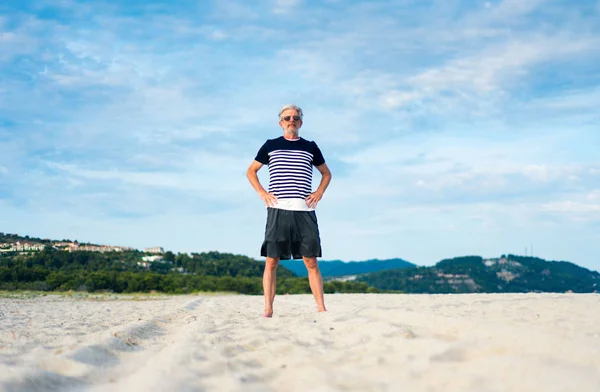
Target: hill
x=473, y=274
x=333, y=268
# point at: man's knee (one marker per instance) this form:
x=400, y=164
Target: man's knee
x=310, y=262
x=271, y=263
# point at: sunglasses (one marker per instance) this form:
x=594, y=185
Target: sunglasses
x=288, y=118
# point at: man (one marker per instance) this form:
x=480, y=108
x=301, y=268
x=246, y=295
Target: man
x=292, y=230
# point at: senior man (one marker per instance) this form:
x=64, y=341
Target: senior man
x=292, y=230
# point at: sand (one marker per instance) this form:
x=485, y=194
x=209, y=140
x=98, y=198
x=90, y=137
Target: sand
x=365, y=342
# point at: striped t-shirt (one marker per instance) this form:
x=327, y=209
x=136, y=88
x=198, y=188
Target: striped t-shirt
x=290, y=170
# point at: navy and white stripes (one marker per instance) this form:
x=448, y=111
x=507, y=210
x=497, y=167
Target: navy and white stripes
x=290, y=173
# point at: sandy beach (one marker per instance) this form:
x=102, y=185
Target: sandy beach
x=365, y=342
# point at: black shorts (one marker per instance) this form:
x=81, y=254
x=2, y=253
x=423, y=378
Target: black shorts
x=291, y=234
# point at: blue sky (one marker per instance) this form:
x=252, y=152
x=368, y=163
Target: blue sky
x=451, y=127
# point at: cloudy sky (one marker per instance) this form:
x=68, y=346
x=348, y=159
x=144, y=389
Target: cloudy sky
x=451, y=127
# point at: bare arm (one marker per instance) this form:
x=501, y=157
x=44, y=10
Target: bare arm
x=252, y=175
x=314, y=197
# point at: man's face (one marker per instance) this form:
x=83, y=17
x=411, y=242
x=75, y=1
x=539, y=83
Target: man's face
x=288, y=123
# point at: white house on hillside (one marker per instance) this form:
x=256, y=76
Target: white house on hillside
x=156, y=249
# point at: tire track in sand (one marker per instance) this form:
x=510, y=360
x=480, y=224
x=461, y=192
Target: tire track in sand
x=101, y=359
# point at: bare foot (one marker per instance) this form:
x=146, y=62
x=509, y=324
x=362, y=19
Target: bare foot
x=322, y=310
x=268, y=312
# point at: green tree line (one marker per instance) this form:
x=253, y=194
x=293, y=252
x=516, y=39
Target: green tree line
x=119, y=272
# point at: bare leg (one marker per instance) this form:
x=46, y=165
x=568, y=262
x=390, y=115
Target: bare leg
x=269, y=283
x=316, y=281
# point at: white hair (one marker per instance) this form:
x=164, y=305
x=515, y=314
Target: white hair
x=291, y=106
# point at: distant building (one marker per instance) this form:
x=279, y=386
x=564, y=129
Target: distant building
x=75, y=246
x=23, y=247
x=156, y=249
x=152, y=258
x=489, y=262
x=63, y=246
x=144, y=264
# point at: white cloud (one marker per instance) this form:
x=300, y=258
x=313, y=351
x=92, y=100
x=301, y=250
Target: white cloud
x=430, y=169
x=7, y=37
x=19, y=41
x=286, y=6
x=232, y=10
x=218, y=35
x=587, y=100
x=510, y=10
x=488, y=72
x=576, y=207
x=198, y=178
